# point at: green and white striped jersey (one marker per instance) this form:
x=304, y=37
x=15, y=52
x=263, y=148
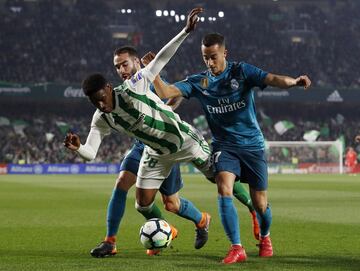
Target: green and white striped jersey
x=142, y=114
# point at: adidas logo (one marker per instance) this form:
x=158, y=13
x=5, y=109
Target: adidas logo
x=335, y=97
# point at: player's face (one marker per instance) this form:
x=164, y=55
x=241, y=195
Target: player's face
x=126, y=65
x=103, y=99
x=215, y=58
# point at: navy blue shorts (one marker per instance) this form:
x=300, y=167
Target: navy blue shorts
x=249, y=166
x=172, y=184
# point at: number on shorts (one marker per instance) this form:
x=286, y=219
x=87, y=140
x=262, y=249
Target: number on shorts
x=215, y=157
x=150, y=162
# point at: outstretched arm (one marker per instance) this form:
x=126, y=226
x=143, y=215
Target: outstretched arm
x=165, y=54
x=283, y=81
x=89, y=150
x=163, y=89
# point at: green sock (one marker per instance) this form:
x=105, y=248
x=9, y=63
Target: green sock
x=242, y=195
x=153, y=212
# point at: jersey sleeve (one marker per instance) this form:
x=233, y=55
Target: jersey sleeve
x=163, y=57
x=185, y=87
x=99, y=129
x=253, y=75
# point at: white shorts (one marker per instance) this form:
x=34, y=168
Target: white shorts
x=154, y=168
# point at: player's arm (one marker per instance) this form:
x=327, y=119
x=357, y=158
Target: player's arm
x=284, y=82
x=174, y=102
x=162, y=89
x=89, y=150
x=165, y=54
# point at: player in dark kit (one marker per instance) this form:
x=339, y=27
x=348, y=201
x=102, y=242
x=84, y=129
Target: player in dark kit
x=226, y=93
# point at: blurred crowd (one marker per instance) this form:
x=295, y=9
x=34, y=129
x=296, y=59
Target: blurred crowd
x=62, y=41
x=41, y=141
x=37, y=137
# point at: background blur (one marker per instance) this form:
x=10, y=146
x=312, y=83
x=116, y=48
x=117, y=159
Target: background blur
x=48, y=47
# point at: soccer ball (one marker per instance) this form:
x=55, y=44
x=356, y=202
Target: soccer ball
x=155, y=234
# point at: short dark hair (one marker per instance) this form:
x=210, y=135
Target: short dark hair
x=126, y=49
x=93, y=83
x=212, y=39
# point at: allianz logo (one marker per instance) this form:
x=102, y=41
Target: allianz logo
x=335, y=97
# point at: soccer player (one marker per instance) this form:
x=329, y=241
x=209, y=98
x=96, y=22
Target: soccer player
x=351, y=159
x=127, y=63
x=134, y=109
x=238, y=190
x=225, y=91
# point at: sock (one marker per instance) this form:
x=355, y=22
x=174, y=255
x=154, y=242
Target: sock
x=115, y=212
x=189, y=211
x=265, y=221
x=242, y=195
x=153, y=212
x=229, y=219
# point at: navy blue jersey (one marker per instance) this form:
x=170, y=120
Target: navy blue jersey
x=228, y=103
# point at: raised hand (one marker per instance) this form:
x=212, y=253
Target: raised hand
x=72, y=141
x=192, y=19
x=303, y=81
x=147, y=58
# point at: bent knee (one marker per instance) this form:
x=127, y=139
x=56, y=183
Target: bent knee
x=260, y=207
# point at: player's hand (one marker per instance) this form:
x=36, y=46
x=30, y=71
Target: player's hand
x=357, y=138
x=147, y=58
x=303, y=81
x=192, y=19
x=72, y=141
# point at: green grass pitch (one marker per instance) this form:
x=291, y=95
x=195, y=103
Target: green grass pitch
x=52, y=222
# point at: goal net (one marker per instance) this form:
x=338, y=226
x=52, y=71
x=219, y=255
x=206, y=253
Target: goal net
x=303, y=157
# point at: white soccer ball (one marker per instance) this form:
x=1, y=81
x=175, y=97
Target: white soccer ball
x=155, y=234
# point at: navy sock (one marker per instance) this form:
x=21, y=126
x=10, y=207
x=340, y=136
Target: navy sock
x=229, y=219
x=189, y=211
x=115, y=211
x=265, y=220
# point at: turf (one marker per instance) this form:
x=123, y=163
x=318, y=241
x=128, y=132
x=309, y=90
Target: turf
x=51, y=223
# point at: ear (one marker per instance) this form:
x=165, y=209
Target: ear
x=137, y=61
x=225, y=53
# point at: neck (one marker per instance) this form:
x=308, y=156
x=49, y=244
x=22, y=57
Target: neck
x=221, y=71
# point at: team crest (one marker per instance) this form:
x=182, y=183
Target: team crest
x=204, y=82
x=234, y=84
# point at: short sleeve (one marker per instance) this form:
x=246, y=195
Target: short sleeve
x=253, y=75
x=185, y=87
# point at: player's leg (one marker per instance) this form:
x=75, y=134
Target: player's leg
x=115, y=212
x=226, y=166
x=184, y=207
x=254, y=170
x=264, y=216
x=229, y=217
x=152, y=173
x=241, y=194
x=117, y=203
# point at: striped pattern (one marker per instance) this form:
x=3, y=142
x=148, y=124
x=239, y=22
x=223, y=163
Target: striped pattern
x=143, y=115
